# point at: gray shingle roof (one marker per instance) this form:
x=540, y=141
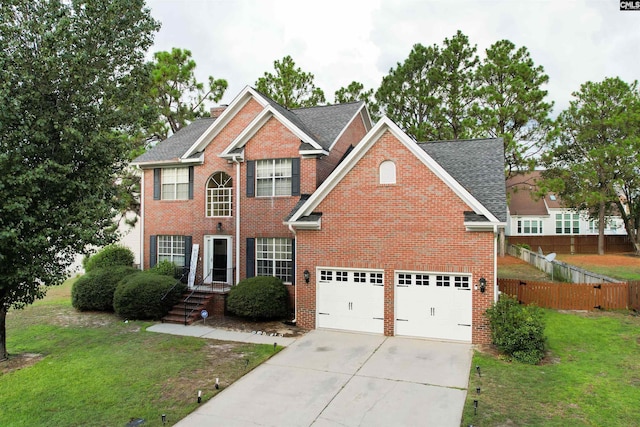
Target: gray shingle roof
x=477, y=165
x=322, y=123
x=177, y=144
x=326, y=122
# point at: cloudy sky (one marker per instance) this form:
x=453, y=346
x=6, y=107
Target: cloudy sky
x=346, y=40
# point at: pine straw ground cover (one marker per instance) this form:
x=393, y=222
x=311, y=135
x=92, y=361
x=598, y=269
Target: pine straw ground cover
x=92, y=369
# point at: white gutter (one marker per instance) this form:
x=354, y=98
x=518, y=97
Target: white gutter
x=235, y=160
x=295, y=274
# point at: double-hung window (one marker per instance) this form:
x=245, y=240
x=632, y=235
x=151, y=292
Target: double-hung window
x=172, y=249
x=274, y=257
x=175, y=184
x=567, y=223
x=529, y=226
x=273, y=177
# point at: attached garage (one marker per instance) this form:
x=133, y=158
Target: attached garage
x=433, y=305
x=350, y=299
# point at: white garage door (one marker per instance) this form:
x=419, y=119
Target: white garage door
x=433, y=305
x=350, y=299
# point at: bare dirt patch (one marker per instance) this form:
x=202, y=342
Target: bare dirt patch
x=607, y=260
x=19, y=361
x=271, y=327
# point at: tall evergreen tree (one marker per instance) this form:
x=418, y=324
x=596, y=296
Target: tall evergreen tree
x=290, y=86
x=510, y=103
x=72, y=76
x=594, y=160
x=177, y=94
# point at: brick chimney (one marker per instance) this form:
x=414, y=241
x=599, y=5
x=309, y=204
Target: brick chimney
x=216, y=111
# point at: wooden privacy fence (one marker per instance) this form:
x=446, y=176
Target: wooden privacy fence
x=574, y=296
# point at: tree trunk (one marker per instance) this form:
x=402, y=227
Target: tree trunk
x=601, y=225
x=3, y=334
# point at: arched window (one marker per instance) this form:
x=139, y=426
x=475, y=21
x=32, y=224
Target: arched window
x=219, y=195
x=387, y=172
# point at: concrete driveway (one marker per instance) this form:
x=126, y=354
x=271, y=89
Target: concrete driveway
x=329, y=378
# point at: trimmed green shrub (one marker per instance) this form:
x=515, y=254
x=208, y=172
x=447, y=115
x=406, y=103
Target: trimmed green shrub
x=262, y=297
x=109, y=256
x=517, y=330
x=139, y=296
x=94, y=290
x=165, y=268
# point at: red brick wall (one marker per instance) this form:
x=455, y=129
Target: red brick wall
x=415, y=224
x=188, y=217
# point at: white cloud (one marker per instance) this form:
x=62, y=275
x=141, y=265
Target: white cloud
x=346, y=40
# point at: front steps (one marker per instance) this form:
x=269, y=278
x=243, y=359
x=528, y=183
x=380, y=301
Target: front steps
x=198, y=301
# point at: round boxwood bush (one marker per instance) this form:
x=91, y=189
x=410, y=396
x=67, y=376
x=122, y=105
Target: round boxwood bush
x=139, y=296
x=262, y=297
x=165, y=268
x=518, y=330
x=94, y=290
x=109, y=256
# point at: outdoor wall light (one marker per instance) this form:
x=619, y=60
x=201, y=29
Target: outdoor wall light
x=483, y=284
x=307, y=276
x=219, y=226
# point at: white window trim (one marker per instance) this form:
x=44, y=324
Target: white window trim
x=171, y=178
x=272, y=242
x=174, y=242
x=272, y=176
x=219, y=191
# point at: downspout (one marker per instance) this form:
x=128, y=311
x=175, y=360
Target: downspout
x=141, y=253
x=235, y=160
x=295, y=274
x=496, y=237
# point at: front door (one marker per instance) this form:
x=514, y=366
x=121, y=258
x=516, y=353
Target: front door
x=217, y=259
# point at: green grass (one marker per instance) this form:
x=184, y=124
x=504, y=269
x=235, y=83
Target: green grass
x=523, y=271
x=591, y=377
x=95, y=370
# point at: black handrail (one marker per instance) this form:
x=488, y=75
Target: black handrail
x=186, y=300
x=184, y=274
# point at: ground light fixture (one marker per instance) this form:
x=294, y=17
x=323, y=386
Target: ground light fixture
x=307, y=276
x=478, y=370
x=475, y=406
x=199, y=396
x=164, y=419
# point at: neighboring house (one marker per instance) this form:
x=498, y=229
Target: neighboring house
x=370, y=230
x=531, y=216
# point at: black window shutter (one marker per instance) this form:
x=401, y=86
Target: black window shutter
x=251, y=257
x=293, y=261
x=295, y=176
x=156, y=183
x=190, y=182
x=153, y=251
x=251, y=178
x=188, y=240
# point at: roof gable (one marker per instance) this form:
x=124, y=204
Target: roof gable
x=363, y=147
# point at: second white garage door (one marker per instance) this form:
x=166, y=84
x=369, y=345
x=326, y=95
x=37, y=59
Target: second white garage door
x=350, y=299
x=433, y=305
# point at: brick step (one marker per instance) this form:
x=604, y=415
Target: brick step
x=196, y=303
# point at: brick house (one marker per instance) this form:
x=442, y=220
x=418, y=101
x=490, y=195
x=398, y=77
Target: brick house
x=370, y=230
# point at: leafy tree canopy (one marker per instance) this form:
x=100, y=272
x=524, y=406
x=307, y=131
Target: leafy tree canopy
x=290, y=86
x=72, y=76
x=355, y=92
x=593, y=160
x=176, y=92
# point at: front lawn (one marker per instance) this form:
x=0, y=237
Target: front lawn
x=590, y=377
x=92, y=369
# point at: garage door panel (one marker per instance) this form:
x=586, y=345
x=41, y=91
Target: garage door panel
x=350, y=300
x=433, y=305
